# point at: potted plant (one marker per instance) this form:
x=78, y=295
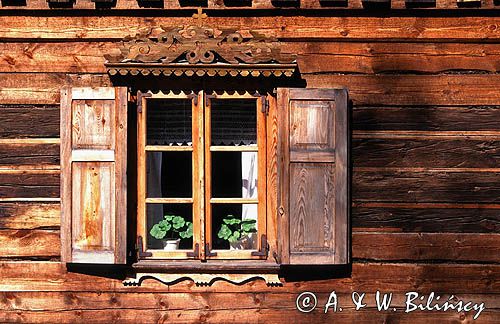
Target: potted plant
x=239, y=233
x=171, y=229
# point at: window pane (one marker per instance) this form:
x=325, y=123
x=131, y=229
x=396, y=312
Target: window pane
x=158, y=212
x=234, y=122
x=169, y=122
x=169, y=174
x=234, y=174
x=234, y=226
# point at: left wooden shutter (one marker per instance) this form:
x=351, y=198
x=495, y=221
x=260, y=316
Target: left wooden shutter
x=93, y=175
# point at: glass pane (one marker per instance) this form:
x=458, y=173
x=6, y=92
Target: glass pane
x=161, y=226
x=169, y=122
x=234, y=174
x=234, y=122
x=234, y=226
x=169, y=175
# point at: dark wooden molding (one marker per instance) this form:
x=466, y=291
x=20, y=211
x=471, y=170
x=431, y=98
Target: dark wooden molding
x=211, y=266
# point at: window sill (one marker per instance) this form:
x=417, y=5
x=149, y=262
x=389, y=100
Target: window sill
x=204, y=273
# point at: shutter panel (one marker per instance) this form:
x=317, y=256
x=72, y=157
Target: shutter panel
x=93, y=175
x=313, y=176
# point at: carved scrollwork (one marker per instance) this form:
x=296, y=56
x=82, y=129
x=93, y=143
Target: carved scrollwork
x=199, y=45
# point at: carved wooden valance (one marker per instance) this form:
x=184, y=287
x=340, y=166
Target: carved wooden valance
x=197, y=50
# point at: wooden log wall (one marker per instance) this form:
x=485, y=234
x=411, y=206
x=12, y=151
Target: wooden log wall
x=426, y=157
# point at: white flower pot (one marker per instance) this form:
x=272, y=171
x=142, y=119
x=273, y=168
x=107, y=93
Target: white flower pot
x=171, y=245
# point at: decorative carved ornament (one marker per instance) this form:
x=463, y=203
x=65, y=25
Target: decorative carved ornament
x=201, y=279
x=202, y=51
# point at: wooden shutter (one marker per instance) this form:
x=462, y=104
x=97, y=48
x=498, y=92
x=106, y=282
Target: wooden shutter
x=93, y=175
x=313, y=176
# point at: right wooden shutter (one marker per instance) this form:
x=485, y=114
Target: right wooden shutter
x=314, y=200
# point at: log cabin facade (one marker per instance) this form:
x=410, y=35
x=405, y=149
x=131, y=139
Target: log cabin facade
x=376, y=127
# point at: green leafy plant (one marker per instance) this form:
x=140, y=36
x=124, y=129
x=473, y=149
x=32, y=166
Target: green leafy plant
x=233, y=229
x=171, y=227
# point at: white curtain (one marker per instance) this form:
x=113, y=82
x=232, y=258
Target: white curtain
x=249, y=164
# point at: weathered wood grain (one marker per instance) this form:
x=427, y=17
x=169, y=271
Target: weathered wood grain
x=250, y=315
x=313, y=57
x=451, y=90
x=439, y=153
x=293, y=27
x=29, y=121
x=427, y=118
x=458, y=187
x=29, y=243
x=65, y=301
x=366, y=277
x=413, y=89
x=454, y=218
x=29, y=215
x=37, y=155
x=427, y=246
x=28, y=185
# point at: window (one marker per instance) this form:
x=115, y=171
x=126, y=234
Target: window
x=279, y=162
x=202, y=157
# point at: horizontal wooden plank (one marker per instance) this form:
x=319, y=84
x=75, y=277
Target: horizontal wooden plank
x=29, y=185
x=37, y=155
x=236, y=6
x=343, y=57
x=453, y=218
x=279, y=299
x=427, y=246
x=284, y=27
x=413, y=89
x=30, y=243
x=438, y=153
x=457, y=187
x=430, y=218
x=29, y=121
x=373, y=185
x=313, y=57
x=452, y=90
x=18, y=121
x=444, y=118
x=250, y=315
x=29, y=215
x=366, y=277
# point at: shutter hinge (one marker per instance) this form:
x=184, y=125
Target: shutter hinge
x=264, y=247
x=265, y=105
x=195, y=253
x=208, y=253
x=140, y=249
